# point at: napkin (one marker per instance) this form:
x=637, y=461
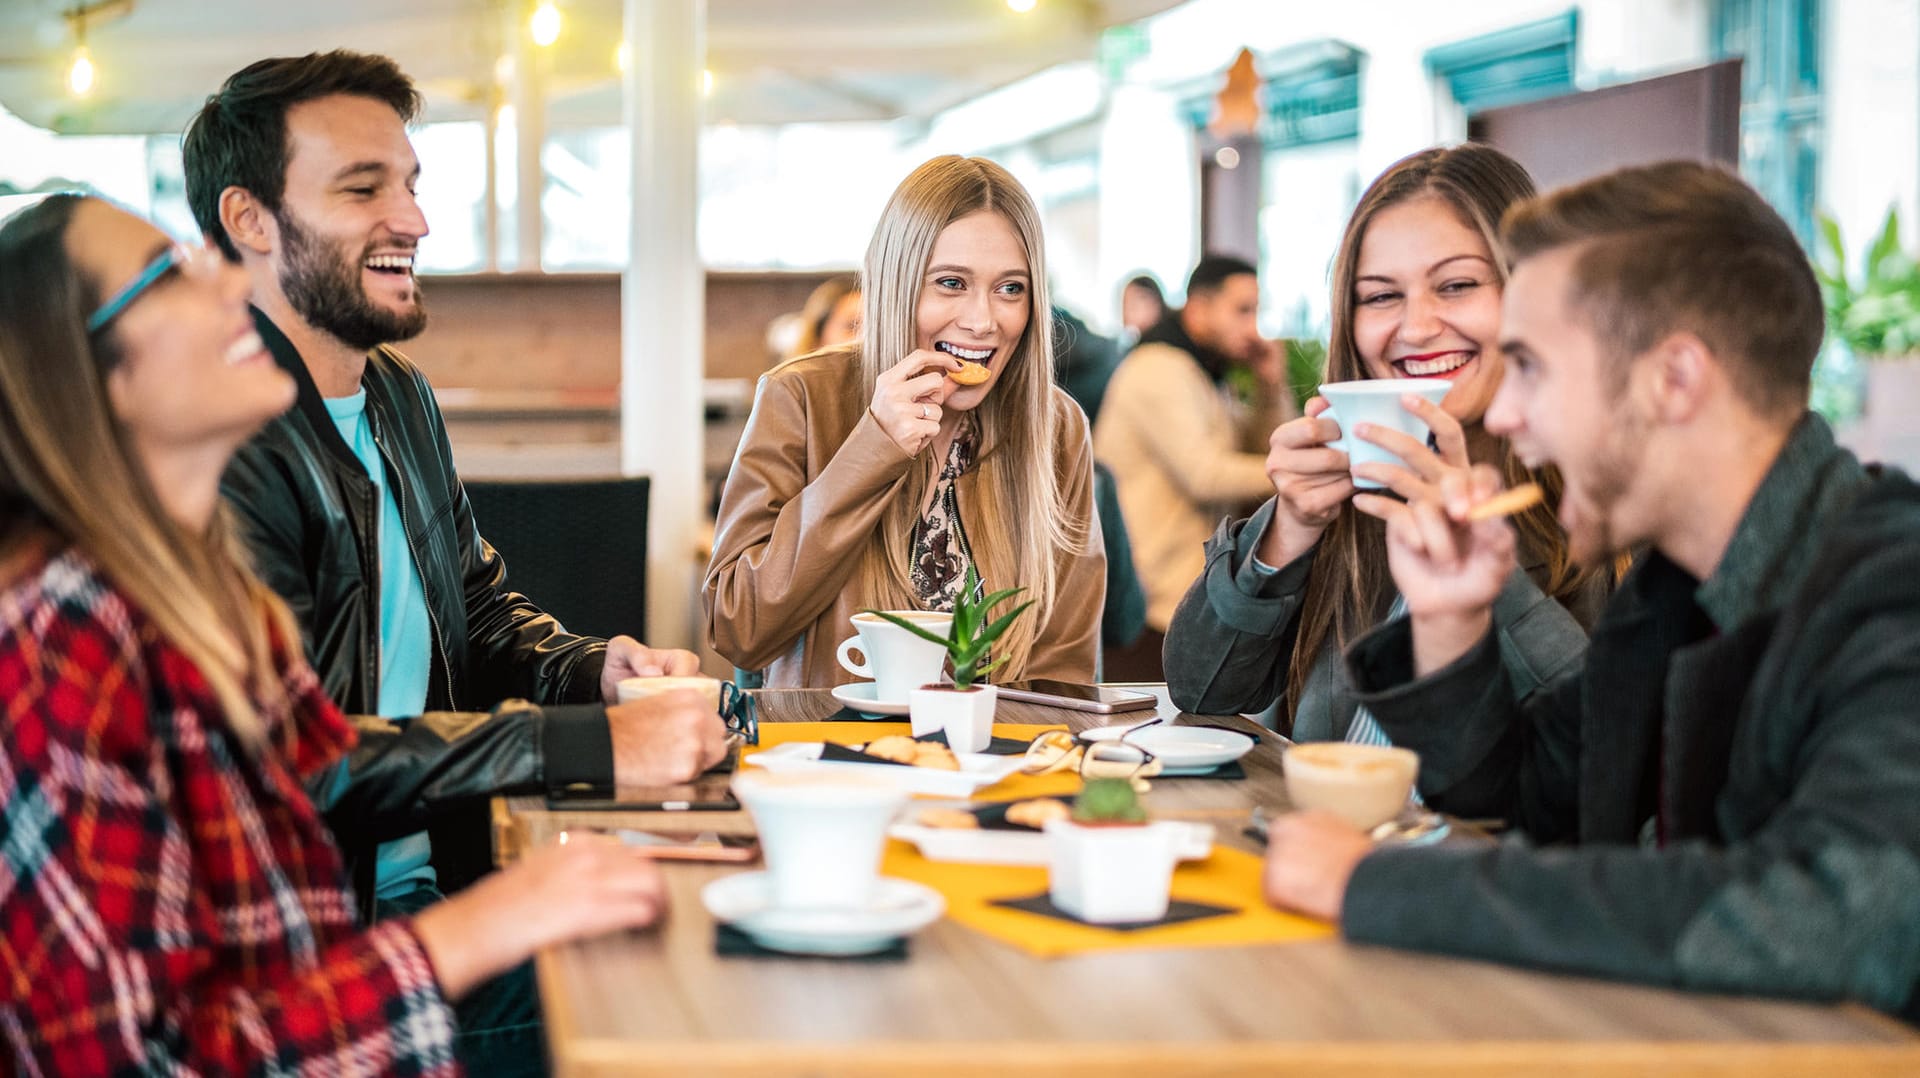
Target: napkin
x=730, y=942
x=1178, y=912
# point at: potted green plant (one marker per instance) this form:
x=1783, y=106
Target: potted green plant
x=1876, y=316
x=963, y=709
x=1107, y=863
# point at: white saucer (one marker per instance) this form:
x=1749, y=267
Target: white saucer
x=1180, y=748
x=860, y=697
x=897, y=908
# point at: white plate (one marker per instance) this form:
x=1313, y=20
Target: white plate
x=1019, y=847
x=859, y=696
x=1180, y=748
x=897, y=908
x=977, y=769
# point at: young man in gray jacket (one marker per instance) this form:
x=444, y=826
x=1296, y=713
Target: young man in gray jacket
x=1727, y=795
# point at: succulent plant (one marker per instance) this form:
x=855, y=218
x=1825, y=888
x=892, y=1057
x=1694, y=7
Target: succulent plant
x=971, y=635
x=1108, y=801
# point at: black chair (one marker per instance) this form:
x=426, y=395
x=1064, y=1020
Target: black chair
x=576, y=547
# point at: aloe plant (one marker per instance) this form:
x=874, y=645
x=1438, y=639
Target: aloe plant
x=1877, y=315
x=971, y=635
x=1108, y=801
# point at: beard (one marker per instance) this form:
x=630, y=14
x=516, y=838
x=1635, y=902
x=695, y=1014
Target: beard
x=324, y=288
x=1609, y=474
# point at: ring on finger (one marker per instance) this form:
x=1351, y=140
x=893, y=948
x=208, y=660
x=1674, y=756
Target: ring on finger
x=926, y=412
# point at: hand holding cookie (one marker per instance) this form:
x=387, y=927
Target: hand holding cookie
x=907, y=398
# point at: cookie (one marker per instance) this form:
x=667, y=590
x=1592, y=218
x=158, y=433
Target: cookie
x=950, y=819
x=1037, y=813
x=970, y=374
x=937, y=757
x=895, y=748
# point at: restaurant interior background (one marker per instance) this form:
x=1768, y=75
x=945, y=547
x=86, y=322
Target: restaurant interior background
x=791, y=122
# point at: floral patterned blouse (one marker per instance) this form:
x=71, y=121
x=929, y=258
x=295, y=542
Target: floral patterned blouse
x=940, y=551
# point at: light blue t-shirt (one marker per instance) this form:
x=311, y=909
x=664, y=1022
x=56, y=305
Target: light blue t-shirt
x=406, y=640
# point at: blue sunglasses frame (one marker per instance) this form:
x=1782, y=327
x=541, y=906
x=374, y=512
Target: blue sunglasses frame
x=171, y=258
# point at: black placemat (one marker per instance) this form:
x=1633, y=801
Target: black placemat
x=1178, y=912
x=847, y=714
x=841, y=754
x=999, y=746
x=730, y=942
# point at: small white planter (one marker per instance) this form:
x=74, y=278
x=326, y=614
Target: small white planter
x=966, y=716
x=1112, y=874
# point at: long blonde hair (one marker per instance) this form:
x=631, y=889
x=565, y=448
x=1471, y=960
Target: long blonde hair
x=1018, y=517
x=68, y=475
x=1349, y=587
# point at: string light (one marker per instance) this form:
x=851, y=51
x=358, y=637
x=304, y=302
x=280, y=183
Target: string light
x=706, y=82
x=80, y=75
x=621, y=57
x=1021, y=7
x=544, y=27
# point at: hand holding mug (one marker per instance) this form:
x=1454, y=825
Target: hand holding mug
x=908, y=395
x=1310, y=481
x=667, y=737
x=1418, y=477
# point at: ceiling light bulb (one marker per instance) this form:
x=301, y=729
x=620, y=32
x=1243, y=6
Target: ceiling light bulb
x=545, y=24
x=622, y=57
x=706, y=83
x=80, y=75
x=1021, y=7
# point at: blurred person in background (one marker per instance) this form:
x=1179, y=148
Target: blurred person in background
x=172, y=900
x=830, y=317
x=1142, y=306
x=1083, y=363
x=1416, y=293
x=869, y=477
x=1177, y=439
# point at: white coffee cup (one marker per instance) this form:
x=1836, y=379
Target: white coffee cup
x=634, y=688
x=821, y=834
x=1365, y=785
x=897, y=660
x=1377, y=401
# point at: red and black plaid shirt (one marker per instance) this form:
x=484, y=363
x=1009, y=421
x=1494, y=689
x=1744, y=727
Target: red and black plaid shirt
x=169, y=899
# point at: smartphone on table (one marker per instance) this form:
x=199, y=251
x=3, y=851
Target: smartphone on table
x=689, y=845
x=1102, y=699
x=709, y=792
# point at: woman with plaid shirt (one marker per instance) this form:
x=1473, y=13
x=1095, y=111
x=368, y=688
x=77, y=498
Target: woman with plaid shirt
x=169, y=898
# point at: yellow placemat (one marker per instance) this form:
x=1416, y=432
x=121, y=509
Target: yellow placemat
x=1228, y=878
x=1014, y=787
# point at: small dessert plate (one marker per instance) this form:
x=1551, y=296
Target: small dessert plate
x=896, y=908
x=977, y=769
x=861, y=696
x=1180, y=749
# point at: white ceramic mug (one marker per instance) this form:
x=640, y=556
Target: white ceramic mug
x=1365, y=785
x=821, y=834
x=1377, y=401
x=897, y=660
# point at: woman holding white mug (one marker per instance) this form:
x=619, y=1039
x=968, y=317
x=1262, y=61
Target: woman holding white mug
x=1416, y=295
x=872, y=476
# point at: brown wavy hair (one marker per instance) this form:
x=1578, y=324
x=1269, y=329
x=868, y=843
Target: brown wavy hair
x=69, y=478
x=1349, y=589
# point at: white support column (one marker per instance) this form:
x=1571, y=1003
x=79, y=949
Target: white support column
x=529, y=136
x=663, y=302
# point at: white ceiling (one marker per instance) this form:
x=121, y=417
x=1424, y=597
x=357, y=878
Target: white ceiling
x=774, y=61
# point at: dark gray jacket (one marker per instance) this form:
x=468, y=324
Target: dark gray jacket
x=1765, y=723
x=1233, y=634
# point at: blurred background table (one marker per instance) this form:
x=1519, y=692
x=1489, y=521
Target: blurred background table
x=661, y=1002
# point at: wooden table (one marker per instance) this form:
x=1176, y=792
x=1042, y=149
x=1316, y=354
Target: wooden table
x=660, y=1003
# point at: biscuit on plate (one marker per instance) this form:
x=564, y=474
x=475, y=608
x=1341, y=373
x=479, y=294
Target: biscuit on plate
x=937, y=757
x=1038, y=812
x=894, y=748
x=952, y=819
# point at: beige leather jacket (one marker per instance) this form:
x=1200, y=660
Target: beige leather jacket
x=813, y=474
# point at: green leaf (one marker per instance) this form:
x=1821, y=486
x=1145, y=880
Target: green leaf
x=1885, y=245
x=993, y=631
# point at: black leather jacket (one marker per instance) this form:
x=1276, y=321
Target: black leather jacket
x=311, y=516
